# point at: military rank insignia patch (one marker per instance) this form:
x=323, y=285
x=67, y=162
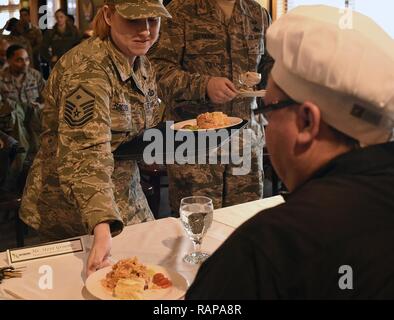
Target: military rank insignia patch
x=79, y=108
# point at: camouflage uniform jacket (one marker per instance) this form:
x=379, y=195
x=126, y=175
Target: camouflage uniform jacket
x=18, y=117
x=94, y=100
x=197, y=44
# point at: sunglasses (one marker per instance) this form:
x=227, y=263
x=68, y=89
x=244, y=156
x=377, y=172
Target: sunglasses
x=264, y=109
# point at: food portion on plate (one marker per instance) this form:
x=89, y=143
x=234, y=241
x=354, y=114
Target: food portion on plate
x=210, y=120
x=130, y=279
x=207, y=121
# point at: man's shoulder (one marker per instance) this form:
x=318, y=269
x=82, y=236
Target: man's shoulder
x=34, y=73
x=300, y=212
x=5, y=74
x=339, y=203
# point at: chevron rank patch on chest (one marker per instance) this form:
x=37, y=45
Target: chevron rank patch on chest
x=79, y=108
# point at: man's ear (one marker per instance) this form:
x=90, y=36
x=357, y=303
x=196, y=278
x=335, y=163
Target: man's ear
x=108, y=14
x=308, y=122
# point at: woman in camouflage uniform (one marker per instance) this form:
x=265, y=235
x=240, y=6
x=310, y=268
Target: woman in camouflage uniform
x=100, y=94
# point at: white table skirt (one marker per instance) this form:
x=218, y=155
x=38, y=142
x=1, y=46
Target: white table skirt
x=162, y=242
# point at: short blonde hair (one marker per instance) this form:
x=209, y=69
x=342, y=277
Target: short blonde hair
x=100, y=27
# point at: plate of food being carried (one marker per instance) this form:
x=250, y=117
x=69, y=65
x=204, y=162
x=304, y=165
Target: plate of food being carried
x=207, y=121
x=130, y=279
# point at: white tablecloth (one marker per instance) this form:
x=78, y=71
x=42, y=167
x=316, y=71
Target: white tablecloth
x=236, y=215
x=162, y=242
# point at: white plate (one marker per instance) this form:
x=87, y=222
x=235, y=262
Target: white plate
x=258, y=93
x=178, y=126
x=176, y=291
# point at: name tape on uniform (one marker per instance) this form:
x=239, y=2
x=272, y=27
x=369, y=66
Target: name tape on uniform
x=45, y=251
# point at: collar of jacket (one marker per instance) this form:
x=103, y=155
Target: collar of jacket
x=360, y=160
x=125, y=69
x=208, y=7
x=120, y=61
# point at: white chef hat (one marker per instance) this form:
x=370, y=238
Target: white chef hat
x=341, y=61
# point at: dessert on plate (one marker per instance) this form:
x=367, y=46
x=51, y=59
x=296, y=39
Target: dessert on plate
x=129, y=279
x=250, y=79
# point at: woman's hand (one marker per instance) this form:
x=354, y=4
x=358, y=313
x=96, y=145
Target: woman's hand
x=101, y=249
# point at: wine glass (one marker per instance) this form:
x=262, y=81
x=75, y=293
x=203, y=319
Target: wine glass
x=196, y=214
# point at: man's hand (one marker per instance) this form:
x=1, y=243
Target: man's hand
x=101, y=249
x=221, y=90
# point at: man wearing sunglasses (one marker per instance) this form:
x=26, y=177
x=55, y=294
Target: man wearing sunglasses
x=330, y=112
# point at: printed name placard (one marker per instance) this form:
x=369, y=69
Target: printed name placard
x=45, y=251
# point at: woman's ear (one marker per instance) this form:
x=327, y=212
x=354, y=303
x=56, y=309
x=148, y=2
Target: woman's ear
x=308, y=122
x=108, y=14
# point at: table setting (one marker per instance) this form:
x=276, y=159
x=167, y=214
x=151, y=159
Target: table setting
x=171, y=247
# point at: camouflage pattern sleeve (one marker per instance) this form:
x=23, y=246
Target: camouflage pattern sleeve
x=266, y=62
x=41, y=83
x=6, y=108
x=85, y=159
x=38, y=80
x=174, y=83
x=7, y=105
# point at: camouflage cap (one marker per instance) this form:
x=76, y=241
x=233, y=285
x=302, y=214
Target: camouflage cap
x=139, y=9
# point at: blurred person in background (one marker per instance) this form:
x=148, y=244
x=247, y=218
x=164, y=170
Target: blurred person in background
x=20, y=107
x=15, y=29
x=60, y=39
x=31, y=33
x=3, y=56
x=72, y=20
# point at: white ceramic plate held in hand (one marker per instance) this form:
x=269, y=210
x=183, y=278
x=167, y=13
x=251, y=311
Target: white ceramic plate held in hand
x=251, y=93
x=193, y=122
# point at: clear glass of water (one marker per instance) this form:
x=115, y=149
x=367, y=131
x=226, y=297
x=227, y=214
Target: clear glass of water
x=196, y=214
